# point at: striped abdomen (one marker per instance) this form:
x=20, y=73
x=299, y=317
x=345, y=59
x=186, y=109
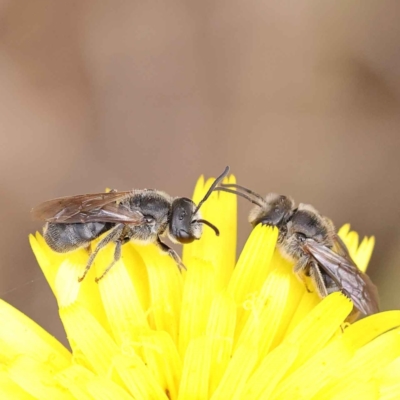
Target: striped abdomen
x=67, y=237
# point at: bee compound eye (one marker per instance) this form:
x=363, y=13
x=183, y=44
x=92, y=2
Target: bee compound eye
x=182, y=216
x=301, y=236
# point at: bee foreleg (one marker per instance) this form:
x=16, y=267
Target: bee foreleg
x=172, y=253
x=112, y=236
x=318, y=280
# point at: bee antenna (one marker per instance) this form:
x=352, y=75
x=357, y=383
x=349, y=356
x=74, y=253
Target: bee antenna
x=205, y=222
x=244, y=189
x=213, y=186
x=245, y=196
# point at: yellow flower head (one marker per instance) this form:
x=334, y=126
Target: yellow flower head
x=217, y=331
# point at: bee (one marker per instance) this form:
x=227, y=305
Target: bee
x=310, y=240
x=142, y=216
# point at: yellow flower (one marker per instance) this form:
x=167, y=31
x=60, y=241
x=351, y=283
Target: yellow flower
x=218, y=331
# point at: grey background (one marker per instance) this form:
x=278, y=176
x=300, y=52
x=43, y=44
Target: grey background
x=301, y=98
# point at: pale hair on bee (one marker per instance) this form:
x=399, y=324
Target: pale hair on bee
x=310, y=240
x=143, y=216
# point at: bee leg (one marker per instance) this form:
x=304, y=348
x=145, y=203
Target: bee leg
x=172, y=253
x=112, y=236
x=318, y=280
x=301, y=269
x=117, y=256
x=88, y=248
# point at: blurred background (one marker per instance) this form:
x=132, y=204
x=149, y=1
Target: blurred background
x=301, y=98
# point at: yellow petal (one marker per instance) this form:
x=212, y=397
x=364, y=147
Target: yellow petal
x=19, y=335
x=294, y=296
x=165, y=288
x=91, y=344
x=220, y=329
x=314, y=331
x=138, y=378
x=200, y=190
x=87, y=386
x=307, y=302
x=40, y=250
x=366, y=361
x=266, y=312
x=233, y=382
x=102, y=389
x=198, y=293
x=361, y=254
x=137, y=270
x=365, y=330
x=390, y=392
x=161, y=357
x=352, y=239
x=343, y=231
x=364, y=253
x=76, y=378
x=220, y=209
x=62, y=272
x=121, y=301
x=69, y=291
x=37, y=379
x=205, y=247
x=196, y=370
x=388, y=380
x=253, y=265
x=389, y=375
x=364, y=391
x=315, y=373
x=9, y=390
x=273, y=367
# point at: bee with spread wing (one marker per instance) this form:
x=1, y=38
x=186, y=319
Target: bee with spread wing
x=310, y=240
x=143, y=216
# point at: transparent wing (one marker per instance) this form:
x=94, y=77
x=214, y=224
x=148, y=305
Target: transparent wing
x=98, y=207
x=341, y=249
x=342, y=269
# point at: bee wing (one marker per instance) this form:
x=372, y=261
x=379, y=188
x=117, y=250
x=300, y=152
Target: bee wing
x=98, y=207
x=342, y=269
x=341, y=248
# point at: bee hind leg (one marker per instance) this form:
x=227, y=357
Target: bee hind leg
x=117, y=256
x=318, y=280
x=112, y=236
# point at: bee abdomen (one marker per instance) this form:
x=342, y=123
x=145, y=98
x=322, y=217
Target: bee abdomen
x=67, y=237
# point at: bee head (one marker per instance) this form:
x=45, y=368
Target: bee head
x=185, y=223
x=181, y=229
x=275, y=211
